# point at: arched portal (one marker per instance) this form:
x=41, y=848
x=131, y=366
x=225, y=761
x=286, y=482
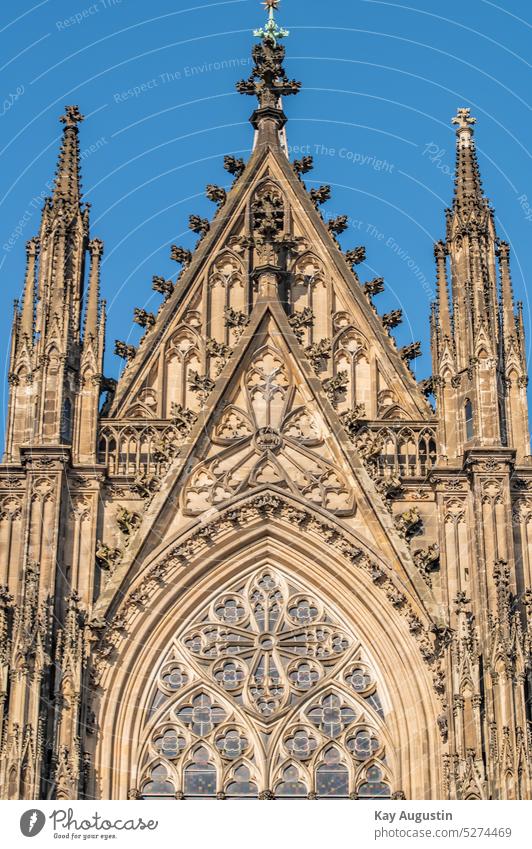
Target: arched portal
x=269, y=666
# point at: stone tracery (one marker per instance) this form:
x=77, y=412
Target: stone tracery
x=269, y=436
x=265, y=691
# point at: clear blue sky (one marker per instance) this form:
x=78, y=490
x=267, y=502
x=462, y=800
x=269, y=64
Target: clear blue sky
x=381, y=81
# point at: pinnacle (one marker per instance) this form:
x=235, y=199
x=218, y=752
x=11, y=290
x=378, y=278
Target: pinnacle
x=271, y=31
x=268, y=81
x=67, y=180
x=468, y=185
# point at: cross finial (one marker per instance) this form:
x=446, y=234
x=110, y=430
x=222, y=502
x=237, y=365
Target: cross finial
x=72, y=116
x=463, y=119
x=271, y=31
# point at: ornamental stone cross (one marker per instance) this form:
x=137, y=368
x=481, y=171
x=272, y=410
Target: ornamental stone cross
x=463, y=119
x=72, y=116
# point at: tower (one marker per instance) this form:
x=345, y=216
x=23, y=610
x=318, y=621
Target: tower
x=266, y=567
x=54, y=376
x=47, y=402
x=477, y=339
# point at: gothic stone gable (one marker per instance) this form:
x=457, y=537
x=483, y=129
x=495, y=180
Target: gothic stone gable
x=199, y=323
x=268, y=425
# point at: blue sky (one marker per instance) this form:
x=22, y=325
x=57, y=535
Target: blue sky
x=381, y=81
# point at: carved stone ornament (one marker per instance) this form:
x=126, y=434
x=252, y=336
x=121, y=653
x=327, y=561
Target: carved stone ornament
x=272, y=438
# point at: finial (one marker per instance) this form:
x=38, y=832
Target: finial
x=463, y=119
x=96, y=247
x=271, y=31
x=72, y=116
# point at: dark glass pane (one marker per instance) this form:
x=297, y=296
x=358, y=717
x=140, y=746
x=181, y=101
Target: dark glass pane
x=203, y=715
x=291, y=786
x=332, y=782
x=374, y=787
x=363, y=745
x=301, y=744
x=159, y=785
x=242, y=787
x=374, y=790
x=359, y=679
x=332, y=777
x=332, y=717
x=231, y=744
x=174, y=678
x=170, y=743
x=469, y=420
x=200, y=775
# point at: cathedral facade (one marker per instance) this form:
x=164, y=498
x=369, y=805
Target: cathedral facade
x=266, y=563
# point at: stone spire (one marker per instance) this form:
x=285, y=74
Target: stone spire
x=471, y=244
x=444, y=316
x=268, y=81
x=480, y=377
x=93, y=295
x=67, y=179
x=27, y=320
x=507, y=296
x=91, y=364
x=468, y=186
x=48, y=331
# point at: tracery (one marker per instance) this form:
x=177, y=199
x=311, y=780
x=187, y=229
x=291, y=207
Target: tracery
x=265, y=693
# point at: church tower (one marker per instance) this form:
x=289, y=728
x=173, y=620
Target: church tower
x=47, y=402
x=477, y=339
x=266, y=567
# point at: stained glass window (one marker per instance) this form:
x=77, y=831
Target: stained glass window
x=332, y=779
x=200, y=775
x=159, y=786
x=265, y=691
x=241, y=786
x=374, y=787
x=291, y=786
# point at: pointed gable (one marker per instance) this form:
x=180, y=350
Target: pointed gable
x=215, y=294
x=268, y=431
x=266, y=356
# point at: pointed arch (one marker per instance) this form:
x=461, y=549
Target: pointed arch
x=307, y=290
x=381, y=687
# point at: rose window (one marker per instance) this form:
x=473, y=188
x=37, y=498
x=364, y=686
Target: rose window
x=265, y=692
x=284, y=642
x=301, y=744
x=363, y=745
x=174, y=677
x=170, y=744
